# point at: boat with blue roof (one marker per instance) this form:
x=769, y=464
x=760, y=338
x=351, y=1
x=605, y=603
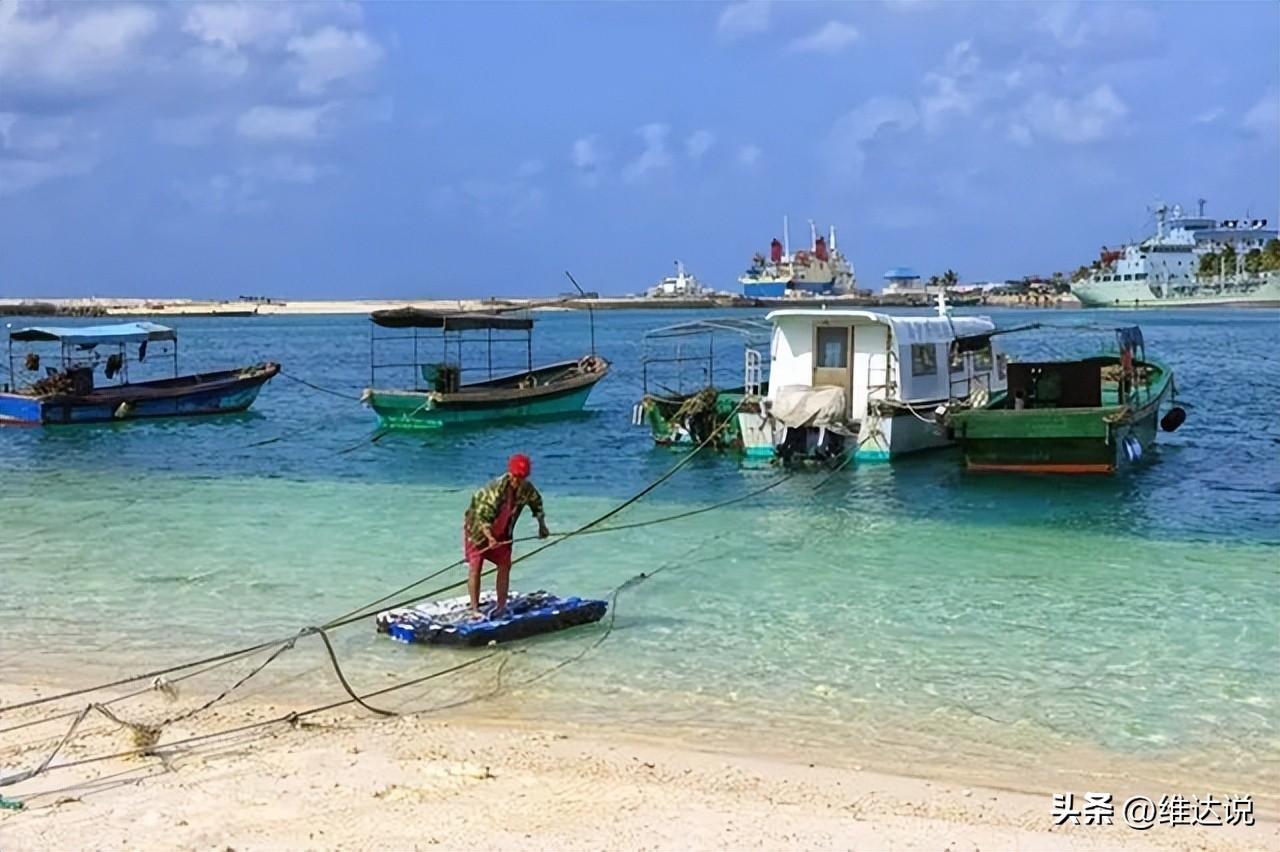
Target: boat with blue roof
x=68, y=391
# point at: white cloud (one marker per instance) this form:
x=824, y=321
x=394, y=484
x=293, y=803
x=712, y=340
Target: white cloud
x=744, y=18
x=699, y=143
x=331, y=55
x=832, y=37
x=749, y=156
x=17, y=175
x=1263, y=117
x=1089, y=118
x=282, y=168
x=187, y=131
x=276, y=123
x=1210, y=115
x=36, y=150
x=71, y=47
x=852, y=131
x=234, y=26
x=530, y=168
x=655, y=155
x=1098, y=27
x=588, y=158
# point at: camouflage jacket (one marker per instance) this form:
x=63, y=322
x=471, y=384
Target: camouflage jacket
x=487, y=502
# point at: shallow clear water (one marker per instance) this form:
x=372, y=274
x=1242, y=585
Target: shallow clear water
x=912, y=610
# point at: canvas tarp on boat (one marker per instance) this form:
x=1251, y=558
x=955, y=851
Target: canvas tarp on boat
x=797, y=406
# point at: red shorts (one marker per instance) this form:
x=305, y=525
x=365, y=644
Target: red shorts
x=478, y=553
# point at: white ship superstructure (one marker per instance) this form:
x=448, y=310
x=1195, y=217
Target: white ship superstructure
x=1164, y=269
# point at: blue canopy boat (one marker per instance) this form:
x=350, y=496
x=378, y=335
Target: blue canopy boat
x=67, y=393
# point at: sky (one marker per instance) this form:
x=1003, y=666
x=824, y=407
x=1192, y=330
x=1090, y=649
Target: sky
x=396, y=150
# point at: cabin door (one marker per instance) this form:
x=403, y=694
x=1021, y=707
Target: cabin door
x=833, y=346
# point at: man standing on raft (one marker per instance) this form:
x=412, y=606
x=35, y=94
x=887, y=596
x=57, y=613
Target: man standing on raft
x=490, y=521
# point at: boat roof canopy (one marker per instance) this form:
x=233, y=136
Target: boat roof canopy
x=448, y=320
x=932, y=329
x=749, y=327
x=92, y=335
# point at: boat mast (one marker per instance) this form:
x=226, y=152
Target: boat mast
x=832, y=238
x=786, y=238
x=813, y=236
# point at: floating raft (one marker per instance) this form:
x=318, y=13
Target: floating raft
x=449, y=622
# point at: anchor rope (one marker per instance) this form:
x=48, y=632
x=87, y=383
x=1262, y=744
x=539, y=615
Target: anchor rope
x=319, y=388
x=151, y=731
x=347, y=619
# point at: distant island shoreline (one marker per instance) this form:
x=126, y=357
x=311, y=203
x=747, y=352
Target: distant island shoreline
x=137, y=307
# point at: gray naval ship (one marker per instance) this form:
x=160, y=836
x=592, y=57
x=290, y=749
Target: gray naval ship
x=1164, y=270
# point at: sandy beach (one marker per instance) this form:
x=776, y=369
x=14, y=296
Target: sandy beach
x=342, y=780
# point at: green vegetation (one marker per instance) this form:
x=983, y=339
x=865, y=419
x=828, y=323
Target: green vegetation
x=1271, y=256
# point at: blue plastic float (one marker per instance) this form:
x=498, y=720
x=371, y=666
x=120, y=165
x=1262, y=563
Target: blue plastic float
x=449, y=622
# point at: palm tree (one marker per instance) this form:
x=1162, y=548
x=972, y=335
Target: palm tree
x=950, y=278
x=1228, y=258
x=1208, y=265
x=1271, y=255
x=934, y=281
x=1253, y=261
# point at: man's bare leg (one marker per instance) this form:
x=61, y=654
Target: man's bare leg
x=473, y=583
x=504, y=581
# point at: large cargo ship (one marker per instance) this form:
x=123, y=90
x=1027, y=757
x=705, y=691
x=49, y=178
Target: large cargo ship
x=821, y=270
x=1189, y=261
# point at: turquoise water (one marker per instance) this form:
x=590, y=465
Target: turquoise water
x=913, y=612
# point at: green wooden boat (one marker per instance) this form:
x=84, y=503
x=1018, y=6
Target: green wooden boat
x=440, y=398
x=684, y=400
x=1094, y=415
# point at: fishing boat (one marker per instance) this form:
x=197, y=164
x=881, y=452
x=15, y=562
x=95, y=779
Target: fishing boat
x=868, y=385
x=694, y=383
x=68, y=392
x=433, y=347
x=1092, y=415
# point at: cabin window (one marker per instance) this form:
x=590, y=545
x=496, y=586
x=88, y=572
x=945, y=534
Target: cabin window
x=833, y=348
x=982, y=360
x=924, y=359
x=956, y=358
x=1002, y=366
x=1128, y=278
x=1141, y=276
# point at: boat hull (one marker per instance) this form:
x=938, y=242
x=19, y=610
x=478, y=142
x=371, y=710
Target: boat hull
x=661, y=415
x=1099, y=440
x=764, y=289
x=227, y=392
x=1264, y=292
x=483, y=403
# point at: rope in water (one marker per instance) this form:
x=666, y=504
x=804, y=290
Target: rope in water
x=339, y=622
x=353, y=697
x=319, y=388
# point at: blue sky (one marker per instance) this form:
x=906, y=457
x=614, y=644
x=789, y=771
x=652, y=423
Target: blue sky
x=402, y=149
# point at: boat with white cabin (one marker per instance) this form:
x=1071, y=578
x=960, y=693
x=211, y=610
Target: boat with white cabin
x=868, y=384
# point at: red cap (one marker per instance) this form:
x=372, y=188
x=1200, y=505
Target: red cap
x=519, y=465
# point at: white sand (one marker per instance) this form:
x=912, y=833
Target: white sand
x=356, y=782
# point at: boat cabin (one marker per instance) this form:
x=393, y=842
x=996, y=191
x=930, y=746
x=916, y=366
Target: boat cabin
x=870, y=382
x=81, y=350
x=64, y=388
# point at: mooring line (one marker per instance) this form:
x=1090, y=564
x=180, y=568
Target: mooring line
x=351, y=617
